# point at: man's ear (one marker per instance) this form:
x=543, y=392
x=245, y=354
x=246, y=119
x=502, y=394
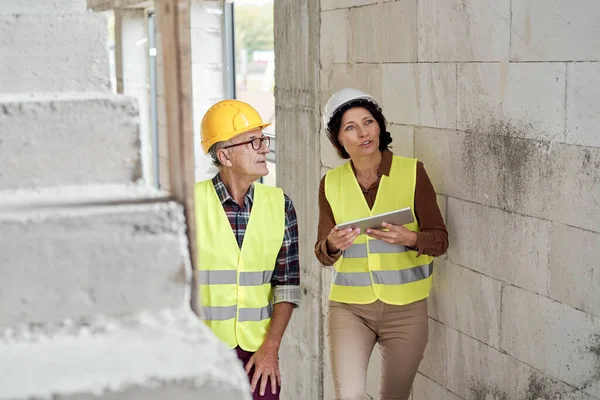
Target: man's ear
x=224, y=157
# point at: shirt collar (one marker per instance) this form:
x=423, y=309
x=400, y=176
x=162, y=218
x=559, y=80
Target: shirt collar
x=224, y=195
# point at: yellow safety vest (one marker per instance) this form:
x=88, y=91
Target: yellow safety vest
x=372, y=269
x=235, y=284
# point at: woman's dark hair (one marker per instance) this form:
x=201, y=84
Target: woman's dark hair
x=333, y=127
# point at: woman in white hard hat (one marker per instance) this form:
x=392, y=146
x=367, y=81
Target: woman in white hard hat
x=381, y=278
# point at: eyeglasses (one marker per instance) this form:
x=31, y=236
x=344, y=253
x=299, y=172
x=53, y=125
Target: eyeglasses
x=256, y=143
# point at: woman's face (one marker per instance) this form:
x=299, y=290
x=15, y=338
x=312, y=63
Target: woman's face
x=359, y=132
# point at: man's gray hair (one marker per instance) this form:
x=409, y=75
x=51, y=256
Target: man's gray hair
x=213, y=153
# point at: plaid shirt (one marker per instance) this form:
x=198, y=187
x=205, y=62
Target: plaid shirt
x=286, y=272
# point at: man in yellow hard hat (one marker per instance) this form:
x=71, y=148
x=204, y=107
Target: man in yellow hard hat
x=247, y=238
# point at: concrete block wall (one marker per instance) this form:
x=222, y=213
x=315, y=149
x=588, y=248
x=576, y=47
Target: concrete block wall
x=500, y=101
x=95, y=299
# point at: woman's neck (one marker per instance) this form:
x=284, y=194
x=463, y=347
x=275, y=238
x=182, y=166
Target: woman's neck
x=367, y=166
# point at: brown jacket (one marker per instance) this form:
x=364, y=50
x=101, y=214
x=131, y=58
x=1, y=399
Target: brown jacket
x=433, y=238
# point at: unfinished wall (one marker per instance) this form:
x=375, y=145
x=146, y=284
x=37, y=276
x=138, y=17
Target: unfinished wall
x=95, y=296
x=500, y=101
x=298, y=168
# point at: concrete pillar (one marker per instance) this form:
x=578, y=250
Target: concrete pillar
x=298, y=173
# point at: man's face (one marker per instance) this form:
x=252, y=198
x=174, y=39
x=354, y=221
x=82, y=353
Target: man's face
x=244, y=160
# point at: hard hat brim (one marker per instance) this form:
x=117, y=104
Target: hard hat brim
x=209, y=143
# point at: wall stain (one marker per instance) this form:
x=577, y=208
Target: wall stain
x=481, y=392
x=499, y=163
x=594, y=349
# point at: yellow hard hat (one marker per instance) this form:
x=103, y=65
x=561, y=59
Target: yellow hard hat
x=227, y=119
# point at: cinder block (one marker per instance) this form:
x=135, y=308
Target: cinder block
x=147, y=356
x=422, y=94
x=505, y=246
x=335, y=36
x=34, y=58
x=384, y=32
x=535, y=24
x=468, y=301
x=360, y=76
x=552, y=337
x=477, y=371
x=101, y=133
x=334, y=4
x=518, y=99
x=503, y=172
x=75, y=260
x=45, y=7
x=574, y=268
x=575, y=186
x=426, y=389
x=458, y=30
x=403, y=140
x=583, y=103
x=435, y=359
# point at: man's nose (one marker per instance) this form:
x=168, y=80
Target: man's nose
x=264, y=149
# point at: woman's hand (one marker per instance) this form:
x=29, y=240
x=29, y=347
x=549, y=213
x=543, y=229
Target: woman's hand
x=341, y=239
x=396, y=234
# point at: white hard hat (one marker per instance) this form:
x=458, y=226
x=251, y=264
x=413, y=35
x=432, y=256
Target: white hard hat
x=343, y=97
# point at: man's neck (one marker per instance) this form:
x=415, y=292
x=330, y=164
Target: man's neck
x=236, y=186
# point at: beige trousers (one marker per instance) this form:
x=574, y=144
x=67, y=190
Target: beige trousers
x=353, y=330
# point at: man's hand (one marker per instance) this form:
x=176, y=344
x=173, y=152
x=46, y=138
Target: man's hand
x=341, y=239
x=266, y=364
x=395, y=234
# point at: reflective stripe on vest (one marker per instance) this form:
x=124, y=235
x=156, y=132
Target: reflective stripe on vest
x=373, y=269
x=225, y=277
x=375, y=247
x=235, y=291
x=245, y=314
x=396, y=277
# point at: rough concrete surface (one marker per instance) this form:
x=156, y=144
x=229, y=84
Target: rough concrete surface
x=583, y=104
x=575, y=268
x=552, y=337
x=164, y=355
x=43, y=7
x=525, y=100
x=414, y=98
x=479, y=372
x=34, y=57
x=435, y=359
x=298, y=128
x=475, y=306
x=72, y=139
x=524, y=265
x=333, y=4
x=575, y=196
x=426, y=389
x=81, y=261
x=555, y=30
x=392, y=26
x=455, y=30
x=493, y=170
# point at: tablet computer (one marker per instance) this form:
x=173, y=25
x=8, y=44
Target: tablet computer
x=397, y=217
